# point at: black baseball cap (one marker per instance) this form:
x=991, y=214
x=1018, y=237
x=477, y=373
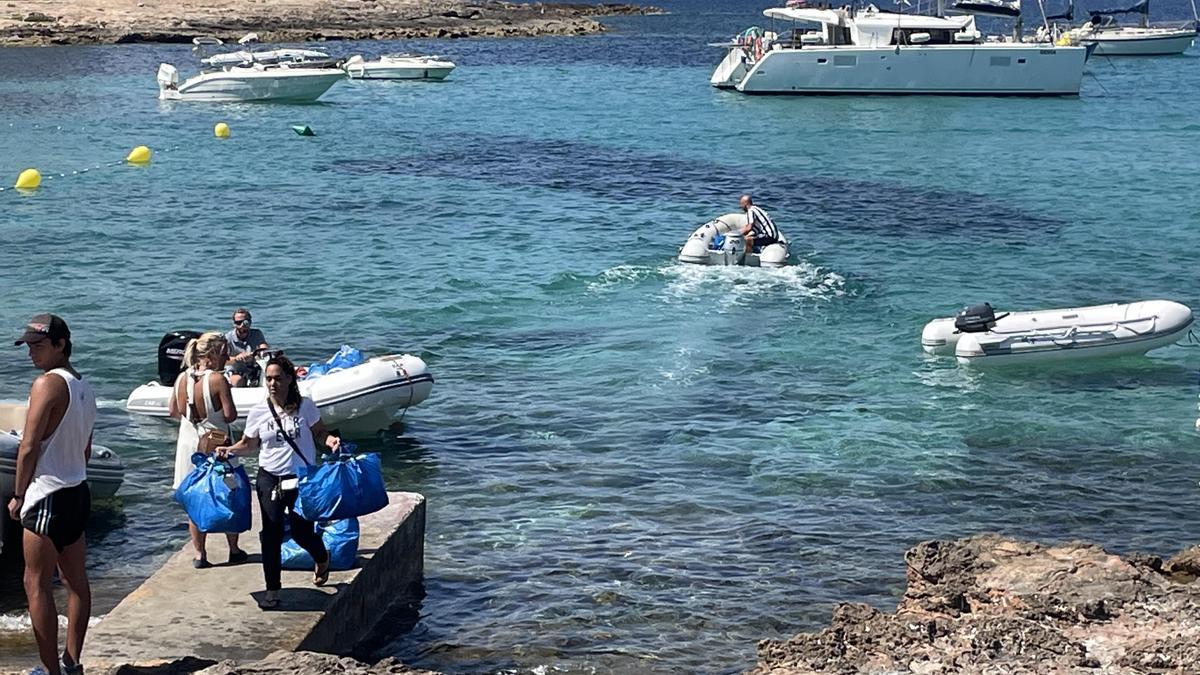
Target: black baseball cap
x=42, y=327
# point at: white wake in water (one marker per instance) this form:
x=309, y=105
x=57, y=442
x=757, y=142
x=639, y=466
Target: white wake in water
x=18, y=623
x=802, y=281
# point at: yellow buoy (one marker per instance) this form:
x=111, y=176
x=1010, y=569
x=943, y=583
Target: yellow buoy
x=29, y=179
x=221, y=130
x=139, y=155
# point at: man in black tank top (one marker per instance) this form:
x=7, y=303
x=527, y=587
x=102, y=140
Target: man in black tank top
x=51, y=472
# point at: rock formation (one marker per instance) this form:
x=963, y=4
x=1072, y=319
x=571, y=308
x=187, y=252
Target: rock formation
x=37, y=22
x=1002, y=607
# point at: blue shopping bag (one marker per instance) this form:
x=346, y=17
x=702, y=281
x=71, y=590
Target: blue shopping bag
x=342, y=486
x=216, y=495
x=341, y=540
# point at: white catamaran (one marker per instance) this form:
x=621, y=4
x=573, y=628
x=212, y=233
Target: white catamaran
x=865, y=50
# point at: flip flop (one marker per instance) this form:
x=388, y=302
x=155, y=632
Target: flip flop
x=269, y=601
x=321, y=573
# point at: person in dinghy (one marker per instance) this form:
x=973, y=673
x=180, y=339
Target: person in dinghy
x=245, y=344
x=760, y=231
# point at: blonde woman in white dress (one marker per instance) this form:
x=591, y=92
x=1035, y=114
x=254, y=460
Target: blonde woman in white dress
x=202, y=402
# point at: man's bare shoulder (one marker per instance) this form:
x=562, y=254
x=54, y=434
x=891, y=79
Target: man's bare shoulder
x=49, y=387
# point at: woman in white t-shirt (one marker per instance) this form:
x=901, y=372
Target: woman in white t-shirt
x=285, y=430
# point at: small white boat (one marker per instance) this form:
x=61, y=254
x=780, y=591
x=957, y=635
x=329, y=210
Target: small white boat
x=105, y=470
x=256, y=82
x=979, y=336
x=398, y=67
x=383, y=384
x=1112, y=39
x=719, y=242
x=1137, y=41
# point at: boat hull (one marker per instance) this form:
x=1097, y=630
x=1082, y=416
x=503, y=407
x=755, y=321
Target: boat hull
x=1098, y=331
x=1143, y=44
x=295, y=85
x=105, y=470
x=400, y=73
x=383, y=384
x=399, y=68
x=976, y=69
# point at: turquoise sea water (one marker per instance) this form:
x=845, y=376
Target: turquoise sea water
x=631, y=465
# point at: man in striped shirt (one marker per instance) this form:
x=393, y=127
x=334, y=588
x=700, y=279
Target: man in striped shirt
x=760, y=230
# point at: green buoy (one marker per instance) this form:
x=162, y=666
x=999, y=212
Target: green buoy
x=303, y=130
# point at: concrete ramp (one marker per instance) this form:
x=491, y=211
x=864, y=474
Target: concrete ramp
x=213, y=614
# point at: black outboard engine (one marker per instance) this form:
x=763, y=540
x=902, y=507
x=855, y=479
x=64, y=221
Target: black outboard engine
x=170, y=354
x=976, y=318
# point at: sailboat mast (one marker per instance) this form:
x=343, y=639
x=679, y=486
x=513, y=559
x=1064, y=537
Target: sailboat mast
x=1045, y=21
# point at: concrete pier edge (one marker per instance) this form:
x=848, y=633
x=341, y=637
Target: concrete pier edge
x=181, y=613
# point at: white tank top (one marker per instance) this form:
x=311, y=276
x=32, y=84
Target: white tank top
x=63, y=463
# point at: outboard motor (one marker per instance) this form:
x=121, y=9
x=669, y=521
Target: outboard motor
x=976, y=318
x=168, y=77
x=170, y=354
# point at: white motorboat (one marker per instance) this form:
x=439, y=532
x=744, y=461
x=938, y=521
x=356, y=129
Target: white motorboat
x=286, y=75
x=257, y=82
x=382, y=385
x=865, y=50
x=719, y=242
x=398, y=67
x=979, y=336
x=105, y=470
x=1113, y=39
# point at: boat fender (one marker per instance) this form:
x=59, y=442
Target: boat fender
x=976, y=318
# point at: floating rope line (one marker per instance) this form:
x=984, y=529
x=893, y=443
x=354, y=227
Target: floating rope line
x=94, y=167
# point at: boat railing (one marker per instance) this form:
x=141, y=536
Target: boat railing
x=1076, y=331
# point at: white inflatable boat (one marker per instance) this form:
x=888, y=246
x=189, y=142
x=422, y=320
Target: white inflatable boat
x=383, y=384
x=719, y=242
x=979, y=336
x=105, y=470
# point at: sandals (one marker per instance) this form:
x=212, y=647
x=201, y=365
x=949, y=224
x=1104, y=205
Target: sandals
x=321, y=573
x=270, y=600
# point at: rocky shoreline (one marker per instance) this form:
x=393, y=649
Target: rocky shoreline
x=987, y=605
x=48, y=22
x=996, y=606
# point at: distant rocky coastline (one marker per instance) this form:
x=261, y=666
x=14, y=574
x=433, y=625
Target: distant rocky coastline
x=999, y=606
x=46, y=22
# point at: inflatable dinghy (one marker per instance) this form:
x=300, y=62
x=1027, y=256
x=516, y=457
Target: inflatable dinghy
x=383, y=384
x=105, y=470
x=719, y=242
x=977, y=335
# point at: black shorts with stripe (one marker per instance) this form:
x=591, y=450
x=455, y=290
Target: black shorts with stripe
x=62, y=515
